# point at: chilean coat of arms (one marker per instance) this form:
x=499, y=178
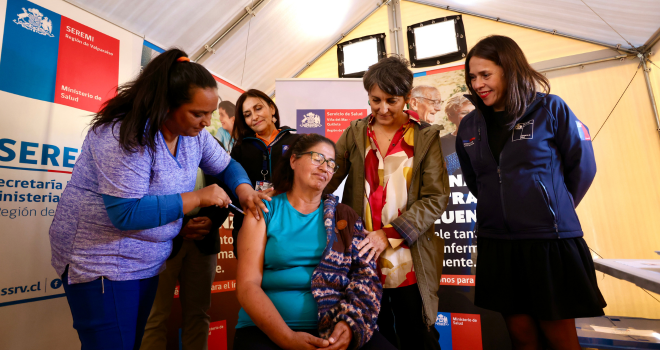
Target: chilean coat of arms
x=34, y=20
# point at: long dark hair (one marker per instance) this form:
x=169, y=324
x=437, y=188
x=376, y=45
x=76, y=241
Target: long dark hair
x=283, y=175
x=142, y=105
x=241, y=129
x=520, y=78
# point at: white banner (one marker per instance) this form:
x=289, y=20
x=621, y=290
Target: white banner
x=57, y=65
x=322, y=106
x=315, y=94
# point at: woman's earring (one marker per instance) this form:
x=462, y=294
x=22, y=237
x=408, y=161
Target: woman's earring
x=274, y=120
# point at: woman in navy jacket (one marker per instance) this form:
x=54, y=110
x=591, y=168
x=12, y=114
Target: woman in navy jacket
x=529, y=161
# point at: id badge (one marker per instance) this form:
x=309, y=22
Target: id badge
x=263, y=186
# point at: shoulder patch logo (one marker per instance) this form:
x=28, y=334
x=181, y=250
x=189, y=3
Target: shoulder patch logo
x=582, y=130
x=468, y=143
x=34, y=20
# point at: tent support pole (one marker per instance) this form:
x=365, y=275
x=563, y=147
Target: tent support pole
x=649, y=87
x=209, y=48
x=619, y=57
x=497, y=19
x=648, y=45
x=308, y=64
x=394, y=19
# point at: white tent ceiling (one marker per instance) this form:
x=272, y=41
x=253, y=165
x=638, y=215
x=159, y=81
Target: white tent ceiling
x=286, y=34
x=635, y=20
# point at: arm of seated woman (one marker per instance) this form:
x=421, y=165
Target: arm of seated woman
x=255, y=302
x=359, y=303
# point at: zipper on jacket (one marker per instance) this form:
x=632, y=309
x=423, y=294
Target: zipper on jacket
x=499, y=174
x=547, y=202
x=276, y=140
x=499, y=171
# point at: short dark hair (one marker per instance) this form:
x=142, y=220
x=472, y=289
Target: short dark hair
x=228, y=107
x=391, y=74
x=241, y=129
x=142, y=105
x=521, y=78
x=283, y=176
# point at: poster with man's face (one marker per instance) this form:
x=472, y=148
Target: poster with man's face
x=450, y=87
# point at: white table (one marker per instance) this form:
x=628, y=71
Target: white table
x=643, y=273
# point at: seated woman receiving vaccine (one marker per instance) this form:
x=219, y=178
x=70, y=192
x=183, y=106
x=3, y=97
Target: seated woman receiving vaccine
x=300, y=280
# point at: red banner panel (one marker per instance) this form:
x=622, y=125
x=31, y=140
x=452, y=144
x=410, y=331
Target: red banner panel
x=338, y=120
x=466, y=331
x=218, y=335
x=87, y=66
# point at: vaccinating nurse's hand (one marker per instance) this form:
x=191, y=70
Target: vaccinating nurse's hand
x=251, y=200
x=212, y=195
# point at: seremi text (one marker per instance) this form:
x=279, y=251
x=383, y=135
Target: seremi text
x=27, y=152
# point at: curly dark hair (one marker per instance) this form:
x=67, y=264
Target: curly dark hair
x=391, y=74
x=283, y=175
x=142, y=105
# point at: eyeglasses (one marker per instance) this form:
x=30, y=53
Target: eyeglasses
x=318, y=159
x=437, y=103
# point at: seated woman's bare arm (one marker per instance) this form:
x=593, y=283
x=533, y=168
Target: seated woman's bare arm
x=255, y=302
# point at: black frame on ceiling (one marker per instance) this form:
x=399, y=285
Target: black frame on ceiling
x=442, y=59
x=380, y=39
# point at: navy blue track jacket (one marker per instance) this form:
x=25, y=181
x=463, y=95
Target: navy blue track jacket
x=545, y=169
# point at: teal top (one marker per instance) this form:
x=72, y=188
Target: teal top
x=294, y=247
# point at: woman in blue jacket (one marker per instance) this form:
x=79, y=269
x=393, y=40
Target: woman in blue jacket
x=529, y=161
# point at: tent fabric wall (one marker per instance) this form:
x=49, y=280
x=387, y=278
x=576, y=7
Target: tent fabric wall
x=619, y=213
